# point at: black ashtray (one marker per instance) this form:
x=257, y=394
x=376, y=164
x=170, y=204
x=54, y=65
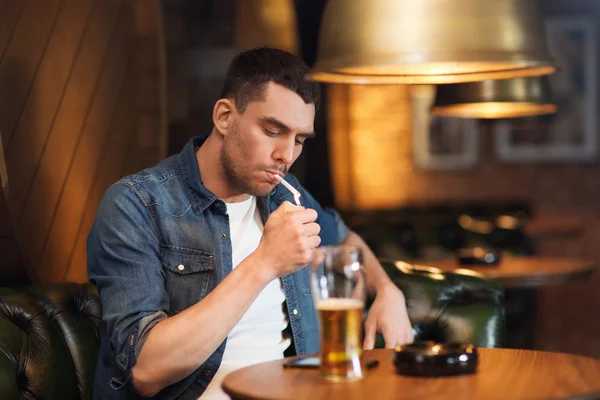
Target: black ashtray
x=478, y=256
x=435, y=359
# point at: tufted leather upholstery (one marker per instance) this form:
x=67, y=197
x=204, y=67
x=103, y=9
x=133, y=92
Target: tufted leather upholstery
x=48, y=341
x=49, y=333
x=450, y=307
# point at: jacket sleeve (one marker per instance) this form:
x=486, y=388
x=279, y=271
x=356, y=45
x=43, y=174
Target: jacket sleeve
x=123, y=261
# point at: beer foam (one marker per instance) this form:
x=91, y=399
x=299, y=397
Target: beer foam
x=339, y=304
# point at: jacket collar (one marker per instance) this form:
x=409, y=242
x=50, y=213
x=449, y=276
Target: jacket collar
x=201, y=196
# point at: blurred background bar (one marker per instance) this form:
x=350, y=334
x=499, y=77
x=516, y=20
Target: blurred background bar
x=91, y=90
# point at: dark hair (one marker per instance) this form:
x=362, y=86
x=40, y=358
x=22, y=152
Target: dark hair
x=251, y=70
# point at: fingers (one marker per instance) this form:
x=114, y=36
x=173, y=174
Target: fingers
x=300, y=214
x=405, y=336
x=389, y=337
x=393, y=335
x=305, y=216
x=311, y=229
x=370, y=332
x=410, y=336
x=313, y=241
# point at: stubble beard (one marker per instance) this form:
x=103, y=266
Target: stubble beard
x=232, y=167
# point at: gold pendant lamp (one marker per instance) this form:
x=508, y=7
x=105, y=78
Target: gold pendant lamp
x=430, y=41
x=506, y=98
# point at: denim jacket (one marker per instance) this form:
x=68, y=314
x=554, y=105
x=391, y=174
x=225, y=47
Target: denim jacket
x=159, y=244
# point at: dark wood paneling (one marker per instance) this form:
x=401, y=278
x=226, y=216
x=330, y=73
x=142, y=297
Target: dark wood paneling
x=11, y=271
x=22, y=59
x=43, y=198
x=9, y=17
x=119, y=140
x=72, y=119
x=11, y=263
x=39, y=113
x=84, y=162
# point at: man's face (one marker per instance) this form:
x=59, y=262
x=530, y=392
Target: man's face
x=266, y=139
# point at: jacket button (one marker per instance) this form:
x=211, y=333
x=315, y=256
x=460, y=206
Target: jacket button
x=207, y=373
x=224, y=235
x=181, y=267
x=295, y=311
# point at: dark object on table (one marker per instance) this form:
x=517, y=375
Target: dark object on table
x=478, y=256
x=435, y=359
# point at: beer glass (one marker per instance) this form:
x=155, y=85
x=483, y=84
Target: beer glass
x=339, y=290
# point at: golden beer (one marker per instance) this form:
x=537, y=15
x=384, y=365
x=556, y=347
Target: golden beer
x=341, y=339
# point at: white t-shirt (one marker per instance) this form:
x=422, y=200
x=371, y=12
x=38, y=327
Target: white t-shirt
x=257, y=337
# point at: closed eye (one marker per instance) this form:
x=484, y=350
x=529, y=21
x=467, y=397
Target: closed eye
x=302, y=138
x=270, y=133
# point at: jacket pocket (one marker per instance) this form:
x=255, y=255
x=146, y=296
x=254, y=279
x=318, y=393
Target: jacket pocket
x=187, y=275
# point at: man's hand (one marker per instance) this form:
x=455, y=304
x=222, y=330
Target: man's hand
x=389, y=317
x=289, y=238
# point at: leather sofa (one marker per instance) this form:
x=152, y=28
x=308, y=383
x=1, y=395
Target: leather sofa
x=49, y=333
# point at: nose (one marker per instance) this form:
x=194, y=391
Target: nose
x=284, y=152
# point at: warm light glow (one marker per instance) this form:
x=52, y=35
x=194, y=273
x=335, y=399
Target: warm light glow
x=467, y=272
x=478, y=252
x=494, y=110
x=507, y=222
x=438, y=68
x=432, y=272
x=365, y=138
x=266, y=23
x=500, y=98
x=474, y=225
x=424, y=79
x=430, y=41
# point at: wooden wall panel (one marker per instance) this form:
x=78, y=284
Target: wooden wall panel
x=71, y=123
x=119, y=139
x=11, y=271
x=44, y=96
x=22, y=59
x=53, y=166
x=84, y=163
x=9, y=16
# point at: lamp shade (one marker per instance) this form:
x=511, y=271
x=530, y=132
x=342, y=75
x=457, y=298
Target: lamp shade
x=430, y=41
x=505, y=98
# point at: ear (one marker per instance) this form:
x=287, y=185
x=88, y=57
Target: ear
x=223, y=114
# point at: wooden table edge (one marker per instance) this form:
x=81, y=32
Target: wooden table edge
x=369, y=354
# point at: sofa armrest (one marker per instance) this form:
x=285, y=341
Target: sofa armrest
x=450, y=307
x=49, y=341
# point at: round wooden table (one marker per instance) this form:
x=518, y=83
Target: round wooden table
x=501, y=374
x=521, y=272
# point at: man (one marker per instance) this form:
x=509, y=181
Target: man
x=200, y=261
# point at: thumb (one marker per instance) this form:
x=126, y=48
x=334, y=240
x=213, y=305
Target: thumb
x=286, y=207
